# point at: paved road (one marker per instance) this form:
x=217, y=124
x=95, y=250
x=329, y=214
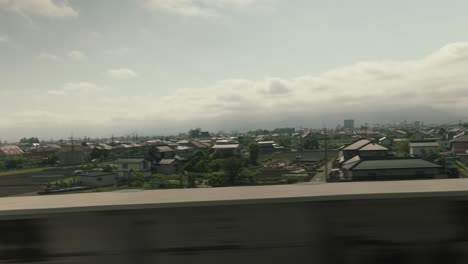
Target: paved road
x=320, y=178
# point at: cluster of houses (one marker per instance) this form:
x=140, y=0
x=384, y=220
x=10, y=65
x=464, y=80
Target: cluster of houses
x=370, y=158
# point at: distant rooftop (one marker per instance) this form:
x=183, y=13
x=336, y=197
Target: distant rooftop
x=10, y=150
x=357, y=144
x=394, y=164
x=424, y=144
x=372, y=147
x=227, y=146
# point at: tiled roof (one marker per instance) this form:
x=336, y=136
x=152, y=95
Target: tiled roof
x=10, y=150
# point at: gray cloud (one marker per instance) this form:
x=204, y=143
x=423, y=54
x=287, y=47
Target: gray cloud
x=197, y=8
x=46, y=8
x=432, y=88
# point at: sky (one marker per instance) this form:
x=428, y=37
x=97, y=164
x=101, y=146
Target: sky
x=156, y=67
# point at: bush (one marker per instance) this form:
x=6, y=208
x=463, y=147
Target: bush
x=217, y=179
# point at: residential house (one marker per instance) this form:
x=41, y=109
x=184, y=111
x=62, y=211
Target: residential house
x=421, y=148
x=421, y=135
x=8, y=151
x=460, y=145
x=128, y=165
x=397, y=134
x=359, y=169
x=97, y=179
x=165, y=152
x=385, y=141
x=227, y=149
x=362, y=147
x=266, y=146
x=171, y=166
x=226, y=142
x=72, y=154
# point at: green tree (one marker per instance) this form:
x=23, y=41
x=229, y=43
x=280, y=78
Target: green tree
x=2, y=165
x=284, y=141
x=402, y=149
x=194, y=133
x=254, y=150
x=232, y=166
x=311, y=143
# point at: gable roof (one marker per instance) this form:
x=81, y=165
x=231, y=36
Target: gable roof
x=393, y=164
x=10, y=150
x=357, y=144
x=372, y=147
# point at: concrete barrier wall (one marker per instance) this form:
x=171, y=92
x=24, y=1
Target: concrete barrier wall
x=396, y=230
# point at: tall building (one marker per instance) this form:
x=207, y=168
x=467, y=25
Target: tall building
x=348, y=124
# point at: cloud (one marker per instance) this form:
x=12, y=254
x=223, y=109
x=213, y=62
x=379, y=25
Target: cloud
x=4, y=38
x=276, y=87
x=197, y=8
x=117, y=51
x=432, y=88
x=44, y=8
x=438, y=81
x=76, y=88
x=122, y=74
x=48, y=56
x=76, y=55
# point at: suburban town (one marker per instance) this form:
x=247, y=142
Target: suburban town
x=203, y=159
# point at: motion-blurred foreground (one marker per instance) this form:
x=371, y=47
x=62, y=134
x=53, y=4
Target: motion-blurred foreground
x=379, y=222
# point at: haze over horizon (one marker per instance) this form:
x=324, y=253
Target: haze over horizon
x=96, y=68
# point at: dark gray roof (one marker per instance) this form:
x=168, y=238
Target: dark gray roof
x=357, y=144
x=394, y=164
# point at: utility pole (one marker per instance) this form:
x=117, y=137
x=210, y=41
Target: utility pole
x=326, y=154
x=302, y=145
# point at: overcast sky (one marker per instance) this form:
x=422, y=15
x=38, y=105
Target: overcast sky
x=159, y=66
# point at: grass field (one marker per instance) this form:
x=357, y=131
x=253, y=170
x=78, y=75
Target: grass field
x=23, y=171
